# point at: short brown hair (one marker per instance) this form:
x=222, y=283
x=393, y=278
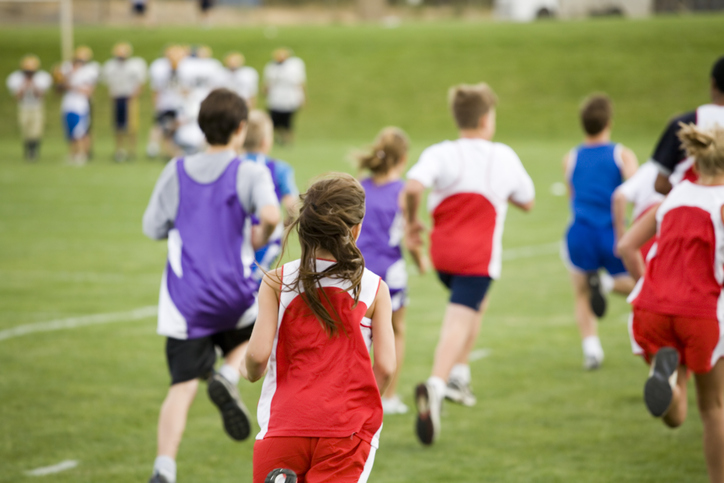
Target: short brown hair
x=260, y=127
x=596, y=113
x=471, y=102
x=220, y=115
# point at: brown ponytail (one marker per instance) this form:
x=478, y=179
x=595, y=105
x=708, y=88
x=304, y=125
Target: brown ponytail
x=706, y=146
x=330, y=208
x=389, y=149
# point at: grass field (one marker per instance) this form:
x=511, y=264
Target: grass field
x=71, y=245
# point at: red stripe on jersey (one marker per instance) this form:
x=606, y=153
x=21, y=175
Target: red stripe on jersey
x=680, y=280
x=325, y=385
x=691, y=175
x=461, y=241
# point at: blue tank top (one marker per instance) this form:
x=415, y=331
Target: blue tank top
x=594, y=174
x=214, y=290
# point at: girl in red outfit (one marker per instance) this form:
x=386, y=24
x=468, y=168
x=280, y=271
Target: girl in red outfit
x=320, y=410
x=678, y=303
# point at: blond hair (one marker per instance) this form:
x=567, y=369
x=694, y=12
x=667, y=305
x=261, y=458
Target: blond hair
x=259, y=129
x=706, y=146
x=471, y=102
x=390, y=147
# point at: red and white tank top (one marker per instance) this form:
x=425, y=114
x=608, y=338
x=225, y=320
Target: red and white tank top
x=685, y=269
x=317, y=385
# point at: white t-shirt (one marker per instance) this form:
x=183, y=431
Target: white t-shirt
x=83, y=77
x=639, y=189
x=285, y=82
x=41, y=82
x=472, y=181
x=243, y=81
x=165, y=83
x=124, y=77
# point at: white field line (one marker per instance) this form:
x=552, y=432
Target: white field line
x=72, y=322
x=478, y=354
x=47, y=470
x=150, y=311
x=531, y=251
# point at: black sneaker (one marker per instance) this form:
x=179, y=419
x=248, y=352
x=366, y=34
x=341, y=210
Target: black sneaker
x=157, y=478
x=281, y=475
x=659, y=387
x=225, y=396
x=596, y=297
x=427, y=424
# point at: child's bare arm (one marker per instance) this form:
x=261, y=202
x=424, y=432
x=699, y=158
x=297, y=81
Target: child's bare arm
x=418, y=255
x=629, y=245
x=268, y=220
x=629, y=163
x=383, y=338
x=291, y=207
x=265, y=328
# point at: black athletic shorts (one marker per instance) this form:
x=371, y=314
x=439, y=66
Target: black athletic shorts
x=167, y=121
x=195, y=358
x=467, y=290
x=281, y=118
x=139, y=8
x=120, y=113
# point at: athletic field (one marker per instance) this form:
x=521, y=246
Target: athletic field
x=82, y=372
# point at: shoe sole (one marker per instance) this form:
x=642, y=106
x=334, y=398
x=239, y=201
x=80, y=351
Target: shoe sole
x=423, y=425
x=596, y=299
x=658, y=393
x=288, y=476
x=235, y=416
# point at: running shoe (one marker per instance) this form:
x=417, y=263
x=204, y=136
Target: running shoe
x=591, y=362
x=394, y=405
x=659, y=387
x=234, y=414
x=281, y=475
x=158, y=478
x=596, y=297
x=427, y=425
x=460, y=393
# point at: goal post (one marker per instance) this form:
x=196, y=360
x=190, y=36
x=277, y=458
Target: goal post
x=65, y=10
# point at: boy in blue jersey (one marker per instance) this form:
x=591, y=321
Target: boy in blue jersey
x=258, y=143
x=593, y=171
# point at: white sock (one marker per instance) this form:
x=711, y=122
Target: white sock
x=438, y=385
x=461, y=373
x=606, y=282
x=166, y=467
x=592, y=346
x=230, y=374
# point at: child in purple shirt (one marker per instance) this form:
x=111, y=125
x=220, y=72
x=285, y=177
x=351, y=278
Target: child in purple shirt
x=381, y=237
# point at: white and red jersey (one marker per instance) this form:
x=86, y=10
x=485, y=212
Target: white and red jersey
x=318, y=385
x=472, y=181
x=639, y=189
x=707, y=117
x=685, y=270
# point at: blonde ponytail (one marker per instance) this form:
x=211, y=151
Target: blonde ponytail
x=706, y=146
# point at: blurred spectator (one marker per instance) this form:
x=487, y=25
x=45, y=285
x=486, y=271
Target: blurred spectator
x=29, y=85
x=77, y=79
x=125, y=76
x=242, y=79
x=285, y=87
x=138, y=7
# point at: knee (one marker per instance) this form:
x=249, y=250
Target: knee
x=711, y=407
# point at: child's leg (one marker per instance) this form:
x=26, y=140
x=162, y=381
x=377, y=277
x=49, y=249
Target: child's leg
x=676, y=415
x=398, y=326
x=586, y=320
x=458, y=326
x=172, y=420
x=710, y=398
x=473, y=335
x=235, y=359
x=623, y=284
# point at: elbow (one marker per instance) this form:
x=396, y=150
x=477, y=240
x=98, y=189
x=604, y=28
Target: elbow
x=414, y=188
x=662, y=184
x=528, y=206
x=386, y=369
x=254, y=367
x=272, y=216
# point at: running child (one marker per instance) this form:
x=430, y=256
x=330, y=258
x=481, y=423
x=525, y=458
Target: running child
x=203, y=205
x=677, y=319
x=472, y=179
x=593, y=171
x=320, y=411
x=381, y=238
x=258, y=144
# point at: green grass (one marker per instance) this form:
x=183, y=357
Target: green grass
x=70, y=244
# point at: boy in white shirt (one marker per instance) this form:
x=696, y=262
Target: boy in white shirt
x=29, y=85
x=242, y=79
x=125, y=76
x=285, y=81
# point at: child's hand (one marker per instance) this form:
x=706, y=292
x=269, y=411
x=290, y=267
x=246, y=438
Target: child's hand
x=422, y=262
x=413, y=235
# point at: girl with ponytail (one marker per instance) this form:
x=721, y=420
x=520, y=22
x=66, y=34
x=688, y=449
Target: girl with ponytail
x=676, y=322
x=320, y=410
x=381, y=239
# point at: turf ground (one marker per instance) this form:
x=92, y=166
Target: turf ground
x=71, y=245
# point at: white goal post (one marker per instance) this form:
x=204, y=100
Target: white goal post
x=65, y=8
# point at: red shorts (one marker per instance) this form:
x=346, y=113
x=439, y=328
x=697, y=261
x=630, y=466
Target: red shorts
x=315, y=460
x=695, y=338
